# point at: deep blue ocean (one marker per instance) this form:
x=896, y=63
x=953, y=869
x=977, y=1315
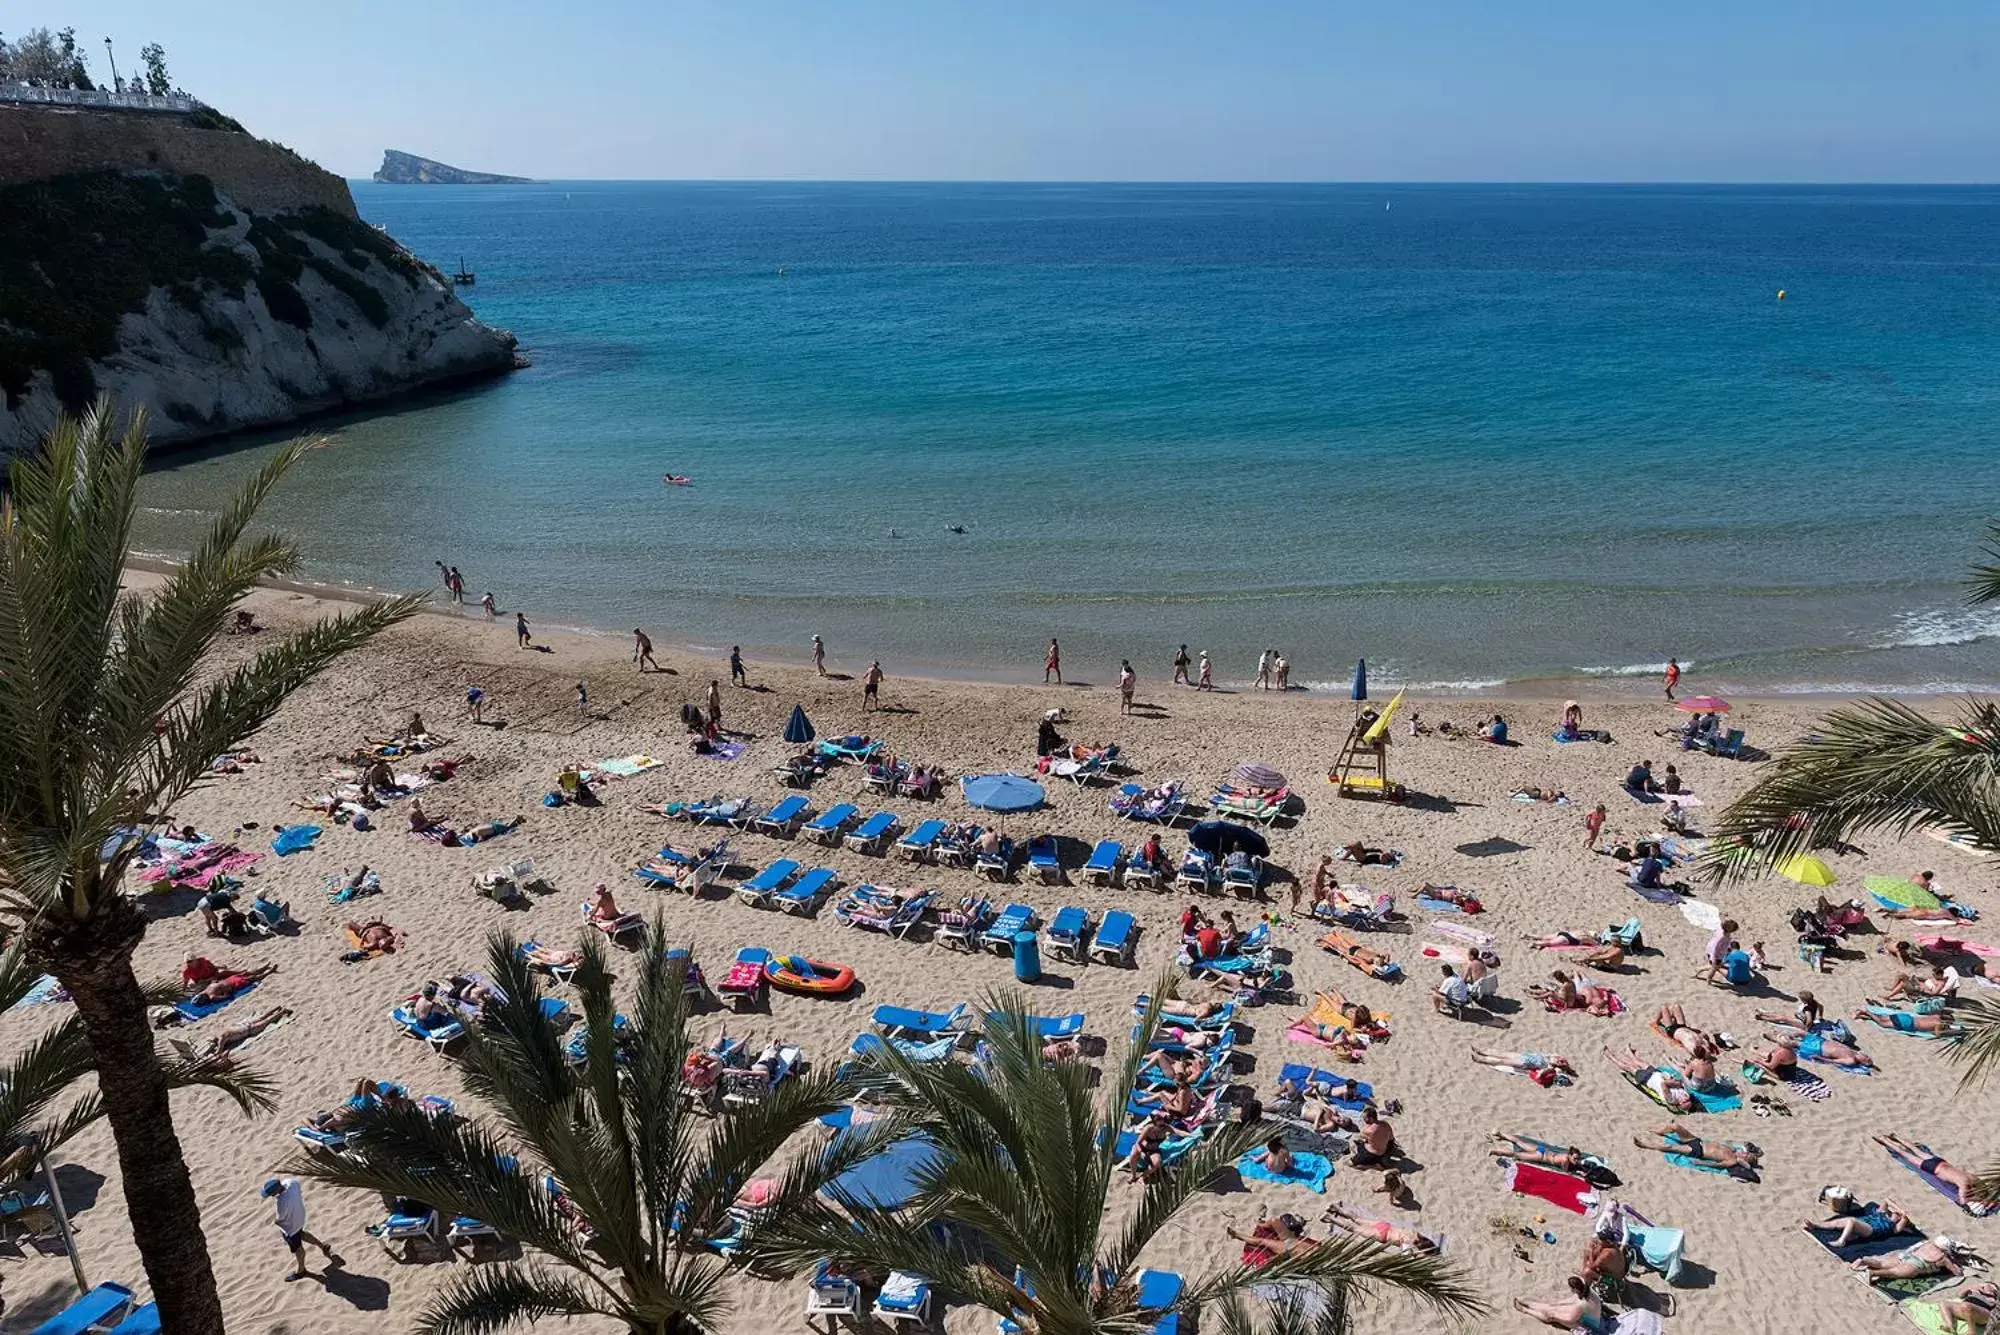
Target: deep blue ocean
x=1479, y=434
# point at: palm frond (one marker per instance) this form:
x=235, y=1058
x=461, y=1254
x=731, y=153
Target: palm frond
x=1875, y=766
x=491, y=1298
x=1982, y=584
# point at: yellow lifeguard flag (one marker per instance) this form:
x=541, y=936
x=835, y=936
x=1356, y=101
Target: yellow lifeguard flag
x=1380, y=728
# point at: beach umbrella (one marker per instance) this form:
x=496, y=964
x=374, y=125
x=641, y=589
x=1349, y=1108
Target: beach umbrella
x=1256, y=774
x=1223, y=837
x=1001, y=792
x=1360, y=679
x=1901, y=893
x=1806, y=870
x=885, y=1180
x=798, y=728
x=1702, y=704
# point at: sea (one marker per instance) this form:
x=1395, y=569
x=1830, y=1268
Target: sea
x=1488, y=437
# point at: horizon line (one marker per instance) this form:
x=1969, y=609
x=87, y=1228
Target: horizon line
x=1207, y=181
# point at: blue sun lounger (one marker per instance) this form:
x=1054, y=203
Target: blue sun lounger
x=1014, y=919
x=100, y=1309
x=757, y=891
x=923, y=1053
x=903, y=1022
x=1048, y=1026
x=782, y=820
x=919, y=843
x=1044, y=860
x=1102, y=869
x=1116, y=938
x=871, y=834
x=900, y=920
x=439, y=1036
x=832, y=823
x=1214, y=1024
x=1159, y=1289
x=1067, y=932
x=804, y=894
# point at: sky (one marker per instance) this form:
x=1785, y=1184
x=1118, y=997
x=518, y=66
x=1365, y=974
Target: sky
x=1101, y=90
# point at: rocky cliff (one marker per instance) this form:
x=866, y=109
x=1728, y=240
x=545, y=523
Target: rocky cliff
x=400, y=168
x=169, y=292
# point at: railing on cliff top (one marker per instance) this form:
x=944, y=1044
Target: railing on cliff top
x=177, y=103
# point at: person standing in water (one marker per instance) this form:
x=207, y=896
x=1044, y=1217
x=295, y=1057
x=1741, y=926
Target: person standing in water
x=642, y=650
x=1206, y=682
x=486, y=601
x=456, y=583
x=1264, y=670
x=1052, y=665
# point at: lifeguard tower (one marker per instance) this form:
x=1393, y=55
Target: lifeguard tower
x=1363, y=767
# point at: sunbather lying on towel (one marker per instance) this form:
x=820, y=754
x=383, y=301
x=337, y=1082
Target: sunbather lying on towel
x=1815, y=1044
x=1673, y=1138
x=471, y=994
x=1360, y=956
x=1972, y=1309
x=1269, y=1239
x=1366, y=856
x=1173, y=1008
x=374, y=936
x=1590, y=952
x=1940, y=982
x=1544, y=1068
x=1526, y=1149
x=1564, y=993
x=214, y=1054
x=1581, y=1310
x=1903, y=1022
x=1451, y=894
x=1348, y=1220
x=1950, y=1174
x=1661, y=1083
x=1931, y=1256
x=1552, y=796
x=1854, y=1222
x=223, y=986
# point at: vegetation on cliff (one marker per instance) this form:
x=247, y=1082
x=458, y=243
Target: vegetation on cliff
x=80, y=252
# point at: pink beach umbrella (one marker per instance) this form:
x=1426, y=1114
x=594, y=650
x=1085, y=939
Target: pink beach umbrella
x=1256, y=774
x=1702, y=704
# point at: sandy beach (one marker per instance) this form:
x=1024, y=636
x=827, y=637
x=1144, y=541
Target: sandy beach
x=1750, y=1267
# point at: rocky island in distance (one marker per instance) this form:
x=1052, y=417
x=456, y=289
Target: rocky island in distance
x=400, y=168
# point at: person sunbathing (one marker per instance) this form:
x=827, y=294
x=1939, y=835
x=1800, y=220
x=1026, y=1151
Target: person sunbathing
x=491, y=829
x=1673, y=1138
x=227, y=985
x=1269, y=1239
x=471, y=994
x=1173, y=1008
x=214, y=1054
x=1563, y=993
x=1904, y=1022
x=1580, y=1310
x=1541, y=1067
x=1522, y=1149
x=875, y=910
x=1362, y=957
x=1451, y=894
x=1669, y=1088
x=421, y=821
x=1671, y=1021
x=1958, y=1183
x=1365, y=856
x=429, y=1012
x=1930, y=1256
x=1972, y=1309
x=1148, y=1157
x=373, y=935
x=1377, y=1230
x=1853, y=1222
x=1816, y=1043
x=544, y=957
x=604, y=907
x=1942, y=982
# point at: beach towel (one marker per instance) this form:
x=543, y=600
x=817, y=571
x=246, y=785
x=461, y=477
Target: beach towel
x=1941, y=1187
x=192, y=1010
x=202, y=870
x=1809, y=1086
x=624, y=767
x=1580, y=735
x=338, y=891
x=1461, y=933
x=1308, y=1170
x=1563, y=1190
x=723, y=749
x=1702, y=914
x=1438, y=905
x=1889, y=1290
x=1658, y=894
x=1952, y=945
x=434, y=835
x=1928, y=1317
x=292, y=839
x=45, y=990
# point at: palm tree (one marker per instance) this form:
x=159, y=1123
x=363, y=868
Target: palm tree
x=104, y=722
x=1025, y=1167
x=601, y=1167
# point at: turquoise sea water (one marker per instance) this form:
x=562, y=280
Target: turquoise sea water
x=1479, y=434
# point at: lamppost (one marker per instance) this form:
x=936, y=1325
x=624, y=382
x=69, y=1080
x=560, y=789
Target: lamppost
x=114, y=64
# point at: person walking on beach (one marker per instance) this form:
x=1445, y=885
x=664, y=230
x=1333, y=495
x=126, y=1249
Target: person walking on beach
x=288, y=1212
x=642, y=650
x=1264, y=670
x=819, y=655
x=737, y=677
x=871, y=686
x=1052, y=665
x=1181, y=667
x=486, y=601
x=714, y=705
x=1127, y=683
x=1206, y=681
x=1673, y=676
x=521, y=637
x=456, y=583
x=1593, y=825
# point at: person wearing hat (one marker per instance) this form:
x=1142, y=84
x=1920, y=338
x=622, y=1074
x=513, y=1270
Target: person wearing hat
x=288, y=1212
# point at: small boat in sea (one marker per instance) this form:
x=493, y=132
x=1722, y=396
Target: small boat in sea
x=464, y=277
x=677, y=479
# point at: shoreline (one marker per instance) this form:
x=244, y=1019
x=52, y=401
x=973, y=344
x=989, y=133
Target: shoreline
x=1621, y=686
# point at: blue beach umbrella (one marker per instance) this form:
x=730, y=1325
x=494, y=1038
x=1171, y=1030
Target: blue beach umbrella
x=885, y=1180
x=1360, y=679
x=1001, y=792
x=1223, y=837
x=798, y=728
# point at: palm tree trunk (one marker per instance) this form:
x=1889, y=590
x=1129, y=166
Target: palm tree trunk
x=94, y=962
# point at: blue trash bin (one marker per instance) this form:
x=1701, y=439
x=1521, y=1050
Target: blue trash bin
x=1027, y=957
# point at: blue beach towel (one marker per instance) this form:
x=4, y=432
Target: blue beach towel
x=192, y=1010
x=294, y=839
x=1308, y=1170
x=723, y=750
x=1438, y=905
x=1939, y=1185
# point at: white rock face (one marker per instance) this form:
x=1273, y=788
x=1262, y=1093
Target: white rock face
x=232, y=365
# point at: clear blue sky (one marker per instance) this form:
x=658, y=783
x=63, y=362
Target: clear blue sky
x=1618, y=90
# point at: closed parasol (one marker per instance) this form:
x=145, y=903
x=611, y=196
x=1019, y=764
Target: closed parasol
x=798, y=728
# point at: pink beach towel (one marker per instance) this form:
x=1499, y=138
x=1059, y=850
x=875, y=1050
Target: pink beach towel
x=1952, y=945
